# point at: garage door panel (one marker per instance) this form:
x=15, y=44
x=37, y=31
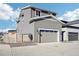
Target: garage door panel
x=48, y=37
x=72, y=36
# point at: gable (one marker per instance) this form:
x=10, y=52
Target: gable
x=48, y=24
x=48, y=17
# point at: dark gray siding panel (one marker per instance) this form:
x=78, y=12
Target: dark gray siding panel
x=72, y=36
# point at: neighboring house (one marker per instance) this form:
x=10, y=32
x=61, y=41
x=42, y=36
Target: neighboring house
x=38, y=25
x=10, y=37
x=70, y=31
x=5, y=37
x=1, y=36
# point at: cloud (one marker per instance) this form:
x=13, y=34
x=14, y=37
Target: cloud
x=9, y=15
x=7, y=12
x=70, y=15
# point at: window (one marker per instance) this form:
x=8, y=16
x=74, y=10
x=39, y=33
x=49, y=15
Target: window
x=21, y=15
x=37, y=13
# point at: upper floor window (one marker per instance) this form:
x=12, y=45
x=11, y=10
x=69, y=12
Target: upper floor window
x=37, y=13
x=21, y=15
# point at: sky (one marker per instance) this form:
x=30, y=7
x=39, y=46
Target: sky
x=9, y=12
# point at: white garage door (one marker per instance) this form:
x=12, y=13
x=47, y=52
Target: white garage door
x=48, y=36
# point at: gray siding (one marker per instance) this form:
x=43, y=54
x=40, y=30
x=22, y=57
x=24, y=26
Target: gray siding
x=23, y=27
x=46, y=24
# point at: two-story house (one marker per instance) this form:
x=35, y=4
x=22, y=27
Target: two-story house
x=38, y=25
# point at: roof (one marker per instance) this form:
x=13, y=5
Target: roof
x=70, y=27
x=29, y=6
x=64, y=21
x=73, y=22
x=68, y=24
x=34, y=19
x=11, y=30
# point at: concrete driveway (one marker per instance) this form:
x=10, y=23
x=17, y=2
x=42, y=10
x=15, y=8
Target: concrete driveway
x=43, y=49
x=5, y=50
